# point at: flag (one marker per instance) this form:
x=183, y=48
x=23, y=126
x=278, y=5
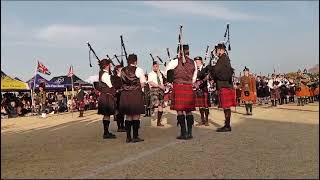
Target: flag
x=43, y=69
x=70, y=73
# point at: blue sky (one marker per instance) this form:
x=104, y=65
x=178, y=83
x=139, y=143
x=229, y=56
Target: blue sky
x=264, y=34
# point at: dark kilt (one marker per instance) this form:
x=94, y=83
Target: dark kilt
x=275, y=94
x=156, y=97
x=106, y=104
x=292, y=91
x=183, y=98
x=266, y=91
x=132, y=102
x=260, y=92
x=284, y=91
x=227, y=98
x=202, y=101
x=81, y=105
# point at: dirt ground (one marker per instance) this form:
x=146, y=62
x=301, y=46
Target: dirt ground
x=280, y=142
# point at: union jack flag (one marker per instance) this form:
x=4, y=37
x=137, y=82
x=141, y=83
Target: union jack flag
x=70, y=73
x=43, y=69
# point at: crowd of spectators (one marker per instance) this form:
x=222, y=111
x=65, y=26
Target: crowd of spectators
x=15, y=104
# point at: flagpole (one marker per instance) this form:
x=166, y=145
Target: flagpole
x=72, y=90
x=34, y=85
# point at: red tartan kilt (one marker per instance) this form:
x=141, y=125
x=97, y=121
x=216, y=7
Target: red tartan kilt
x=183, y=98
x=167, y=97
x=81, y=105
x=202, y=101
x=227, y=98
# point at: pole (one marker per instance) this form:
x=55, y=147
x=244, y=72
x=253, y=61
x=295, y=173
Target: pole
x=34, y=85
x=72, y=94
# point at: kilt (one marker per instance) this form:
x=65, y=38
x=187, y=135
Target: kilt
x=251, y=98
x=202, y=101
x=106, y=104
x=81, y=105
x=156, y=97
x=132, y=102
x=183, y=98
x=304, y=91
x=316, y=91
x=167, y=97
x=275, y=93
x=227, y=98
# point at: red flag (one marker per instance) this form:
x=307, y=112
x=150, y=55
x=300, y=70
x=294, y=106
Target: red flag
x=43, y=69
x=70, y=73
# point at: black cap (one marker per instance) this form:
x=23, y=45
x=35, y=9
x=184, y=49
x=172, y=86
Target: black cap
x=132, y=58
x=220, y=46
x=104, y=62
x=198, y=58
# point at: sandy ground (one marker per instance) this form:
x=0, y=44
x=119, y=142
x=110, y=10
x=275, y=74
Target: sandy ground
x=278, y=142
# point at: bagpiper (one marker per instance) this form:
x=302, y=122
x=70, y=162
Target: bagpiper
x=201, y=91
x=80, y=99
x=222, y=73
x=157, y=88
x=147, y=103
x=42, y=98
x=301, y=89
x=117, y=83
x=106, y=102
x=249, y=91
x=274, y=85
x=131, y=99
x=183, y=74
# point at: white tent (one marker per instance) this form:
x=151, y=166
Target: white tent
x=92, y=79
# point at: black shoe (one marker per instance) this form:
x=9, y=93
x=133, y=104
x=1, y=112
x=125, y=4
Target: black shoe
x=109, y=136
x=121, y=130
x=224, y=129
x=182, y=137
x=134, y=140
x=128, y=140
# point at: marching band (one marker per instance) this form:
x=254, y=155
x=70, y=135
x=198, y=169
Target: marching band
x=187, y=84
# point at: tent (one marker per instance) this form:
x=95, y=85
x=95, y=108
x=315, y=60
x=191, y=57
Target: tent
x=49, y=85
x=10, y=84
x=66, y=81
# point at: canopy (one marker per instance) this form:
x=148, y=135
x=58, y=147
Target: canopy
x=40, y=79
x=66, y=81
x=10, y=84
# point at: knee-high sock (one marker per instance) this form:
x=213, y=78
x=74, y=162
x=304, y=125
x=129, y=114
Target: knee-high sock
x=250, y=108
x=106, y=126
x=159, y=116
x=135, y=128
x=182, y=123
x=227, y=115
x=190, y=122
x=247, y=107
x=206, y=113
x=202, y=114
x=128, y=128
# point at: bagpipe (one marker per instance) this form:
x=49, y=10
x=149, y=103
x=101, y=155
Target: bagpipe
x=159, y=72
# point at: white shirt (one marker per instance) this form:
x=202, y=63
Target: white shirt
x=152, y=77
x=270, y=83
x=174, y=63
x=140, y=74
x=106, y=78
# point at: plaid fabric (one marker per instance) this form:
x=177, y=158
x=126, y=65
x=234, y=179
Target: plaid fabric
x=81, y=105
x=251, y=98
x=202, y=101
x=156, y=97
x=183, y=98
x=275, y=94
x=227, y=98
